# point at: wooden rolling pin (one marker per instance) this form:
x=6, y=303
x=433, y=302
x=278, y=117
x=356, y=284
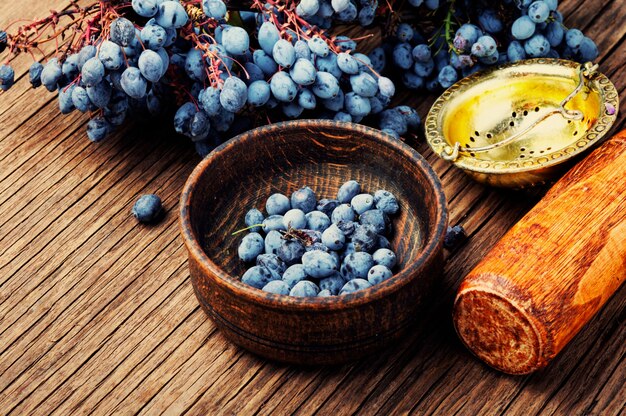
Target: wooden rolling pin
x=550, y=274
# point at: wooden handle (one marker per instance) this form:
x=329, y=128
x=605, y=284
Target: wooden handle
x=552, y=271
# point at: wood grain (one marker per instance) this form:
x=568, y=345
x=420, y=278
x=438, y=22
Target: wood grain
x=97, y=315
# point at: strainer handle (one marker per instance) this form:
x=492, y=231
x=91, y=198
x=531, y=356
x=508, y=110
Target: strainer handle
x=586, y=71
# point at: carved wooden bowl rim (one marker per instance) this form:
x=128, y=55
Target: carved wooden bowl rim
x=412, y=270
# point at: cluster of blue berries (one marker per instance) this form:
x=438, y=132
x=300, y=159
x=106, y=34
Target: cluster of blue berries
x=505, y=31
x=305, y=247
x=228, y=71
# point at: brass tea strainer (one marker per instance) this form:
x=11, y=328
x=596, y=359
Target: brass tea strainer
x=518, y=124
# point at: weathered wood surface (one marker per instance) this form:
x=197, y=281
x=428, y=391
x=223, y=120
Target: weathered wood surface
x=97, y=314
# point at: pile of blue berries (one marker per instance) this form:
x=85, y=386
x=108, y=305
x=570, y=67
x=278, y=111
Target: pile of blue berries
x=327, y=247
x=219, y=73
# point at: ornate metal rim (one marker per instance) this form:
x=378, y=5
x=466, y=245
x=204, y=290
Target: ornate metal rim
x=437, y=141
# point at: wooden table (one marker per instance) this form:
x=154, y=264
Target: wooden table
x=97, y=314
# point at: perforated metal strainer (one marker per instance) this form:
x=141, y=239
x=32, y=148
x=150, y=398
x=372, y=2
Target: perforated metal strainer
x=519, y=124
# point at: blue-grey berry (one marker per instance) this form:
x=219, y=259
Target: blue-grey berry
x=365, y=238
x=348, y=190
x=385, y=257
x=327, y=206
x=324, y=293
x=356, y=265
x=277, y=287
x=304, y=288
x=378, y=273
x=376, y=218
x=291, y=251
x=274, y=222
x=354, y=285
x=317, y=220
x=304, y=199
x=277, y=204
x=250, y=247
x=362, y=203
x=332, y=283
x=294, y=274
x=333, y=238
x=343, y=212
x=319, y=264
x=254, y=216
x=295, y=218
x=257, y=276
x=386, y=202
x=148, y=208
x=273, y=241
x=273, y=263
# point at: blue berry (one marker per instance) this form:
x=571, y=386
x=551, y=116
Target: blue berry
x=277, y=287
x=362, y=203
x=303, y=72
x=333, y=284
x=214, y=8
x=234, y=94
x=235, y=40
x=454, y=236
x=97, y=129
x=273, y=264
x=274, y=223
x=283, y=88
x=250, y=247
x=490, y=21
x=365, y=238
x=354, y=285
x=267, y=36
x=258, y=93
x=448, y=76
x=291, y=251
x=304, y=288
x=537, y=46
x=277, y=204
x=465, y=36
x=333, y=238
x=34, y=74
x=93, y=72
x=122, y=31
x=110, y=54
x=306, y=99
x=343, y=212
x=516, y=51
x=283, y=53
x=150, y=65
x=484, y=46
x=133, y=83
x=539, y=11
x=294, y=274
x=573, y=38
x=347, y=191
x=304, y=199
x=326, y=85
x=7, y=77
x=148, y=208
x=378, y=274
x=402, y=55
x=588, y=49
x=385, y=257
x=295, y=218
x=386, y=202
x=327, y=206
x=273, y=241
x=357, y=105
x=257, y=276
x=319, y=264
x=324, y=293
x=376, y=218
x=145, y=8
x=356, y=265
x=317, y=220
x=171, y=14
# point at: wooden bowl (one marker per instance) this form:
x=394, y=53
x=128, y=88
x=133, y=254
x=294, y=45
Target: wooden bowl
x=283, y=157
